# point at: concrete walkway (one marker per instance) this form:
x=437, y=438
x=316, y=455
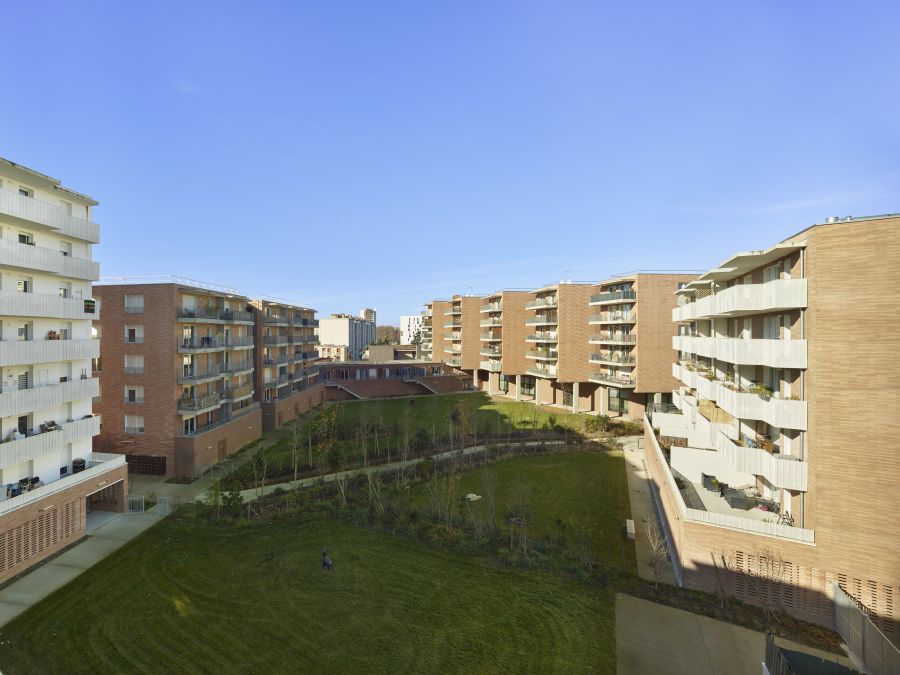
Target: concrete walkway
x=652, y=638
x=643, y=510
x=56, y=573
x=107, y=533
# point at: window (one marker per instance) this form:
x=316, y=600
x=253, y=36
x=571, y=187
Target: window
x=65, y=248
x=26, y=238
x=134, y=424
x=23, y=285
x=25, y=192
x=134, y=364
x=134, y=334
x=134, y=393
x=134, y=304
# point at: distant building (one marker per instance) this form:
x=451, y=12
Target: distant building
x=409, y=327
x=368, y=314
x=334, y=352
x=354, y=332
x=380, y=353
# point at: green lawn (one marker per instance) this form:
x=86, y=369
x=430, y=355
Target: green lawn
x=188, y=597
x=586, y=490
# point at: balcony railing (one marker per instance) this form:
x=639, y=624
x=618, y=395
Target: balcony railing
x=542, y=303
x=539, y=370
x=215, y=424
x=543, y=354
x=236, y=393
x=214, y=314
x=493, y=321
x=453, y=336
x=453, y=362
x=613, y=317
x=215, y=342
x=15, y=401
x=50, y=260
x=96, y=465
x=270, y=361
x=547, y=336
x=491, y=307
x=17, y=448
x=452, y=324
x=14, y=303
x=718, y=519
x=490, y=351
x=199, y=403
x=50, y=215
x=623, y=338
x=276, y=320
x=299, y=321
x=612, y=297
x=611, y=379
x=549, y=320
x=772, y=296
x=136, y=400
x=24, y=352
x=619, y=359
x=491, y=366
x=490, y=337
x=761, y=352
x=277, y=339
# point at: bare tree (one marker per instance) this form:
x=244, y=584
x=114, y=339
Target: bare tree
x=770, y=572
x=259, y=462
x=724, y=564
x=658, y=553
x=295, y=440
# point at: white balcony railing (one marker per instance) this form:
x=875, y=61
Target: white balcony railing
x=759, y=352
x=14, y=254
x=20, y=352
x=97, y=465
x=15, y=451
x=492, y=366
x=772, y=296
x=21, y=401
x=779, y=412
x=50, y=215
x=13, y=303
x=720, y=519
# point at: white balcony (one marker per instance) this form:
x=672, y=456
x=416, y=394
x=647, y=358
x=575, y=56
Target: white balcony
x=52, y=261
x=16, y=402
x=50, y=215
x=15, y=451
x=491, y=366
x=772, y=353
x=541, y=371
x=730, y=521
x=492, y=321
x=97, y=466
x=745, y=405
x=772, y=296
x=14, y=353
x=45, y=305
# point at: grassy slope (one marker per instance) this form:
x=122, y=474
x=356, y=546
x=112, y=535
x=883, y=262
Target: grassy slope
x=587, y=490
x=187, y=597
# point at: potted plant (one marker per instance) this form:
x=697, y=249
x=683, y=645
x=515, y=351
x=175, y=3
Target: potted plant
x=761, y=390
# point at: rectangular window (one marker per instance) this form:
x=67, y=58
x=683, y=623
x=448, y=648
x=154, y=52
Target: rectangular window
x=134, y=424
x=25, y=192
x=134, y=364
x=134, y=304
x=26, y=238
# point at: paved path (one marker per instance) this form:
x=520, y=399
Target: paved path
x=643, y=509
x=57, y=572
x=652, y=638
x=254, y=493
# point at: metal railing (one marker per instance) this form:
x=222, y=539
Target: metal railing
x=625, y=338
x=609, y=378
x=214, y=314
x=215, y=424
x=542, y=302
x=613, y=296
x=136, y=399
x=547, y=336
x=200, y=402
x=614, y=317
x=551, y=320
x=542, y=353
x=134, y=370
x=491, y=307
x=138, y=340
x=614, y=358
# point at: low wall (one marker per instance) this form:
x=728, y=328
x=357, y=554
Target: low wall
x=277, y=413
x=193, y=453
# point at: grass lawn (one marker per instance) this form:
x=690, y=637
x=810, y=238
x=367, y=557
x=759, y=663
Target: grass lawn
x=192, y=597
x=428, y=419
x=588, y=490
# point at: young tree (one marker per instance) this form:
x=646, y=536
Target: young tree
x=259, y=462
x=724, y=564
x=296, y=438
x=770, y=571
x=658, y=553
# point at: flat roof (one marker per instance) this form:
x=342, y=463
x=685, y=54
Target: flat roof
x=51, y=182
x=740, y=264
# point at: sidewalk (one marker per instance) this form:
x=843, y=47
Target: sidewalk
x=643, y=510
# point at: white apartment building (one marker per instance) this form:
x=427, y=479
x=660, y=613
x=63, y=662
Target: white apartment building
x=368, y=314
x=353, y=332
x=51, y=478
x=409, y=327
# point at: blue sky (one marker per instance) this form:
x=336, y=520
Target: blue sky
x=351, y=154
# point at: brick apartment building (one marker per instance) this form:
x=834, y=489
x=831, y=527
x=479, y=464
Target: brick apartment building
x=176, y=373
x=502, y=344
x=285, y=375
x=631, y=334
x=783, y=450
x=52, y=479
x=460, y=332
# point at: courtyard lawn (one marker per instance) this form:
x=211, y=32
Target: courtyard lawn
x=424, y=420
x=583, y=490
x=190, y=597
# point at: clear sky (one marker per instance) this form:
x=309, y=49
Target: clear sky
x=351, y=154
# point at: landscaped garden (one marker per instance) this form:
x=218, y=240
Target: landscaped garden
x=351, y=434
x=209, y=591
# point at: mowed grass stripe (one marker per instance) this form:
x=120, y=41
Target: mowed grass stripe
x=190, y=597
